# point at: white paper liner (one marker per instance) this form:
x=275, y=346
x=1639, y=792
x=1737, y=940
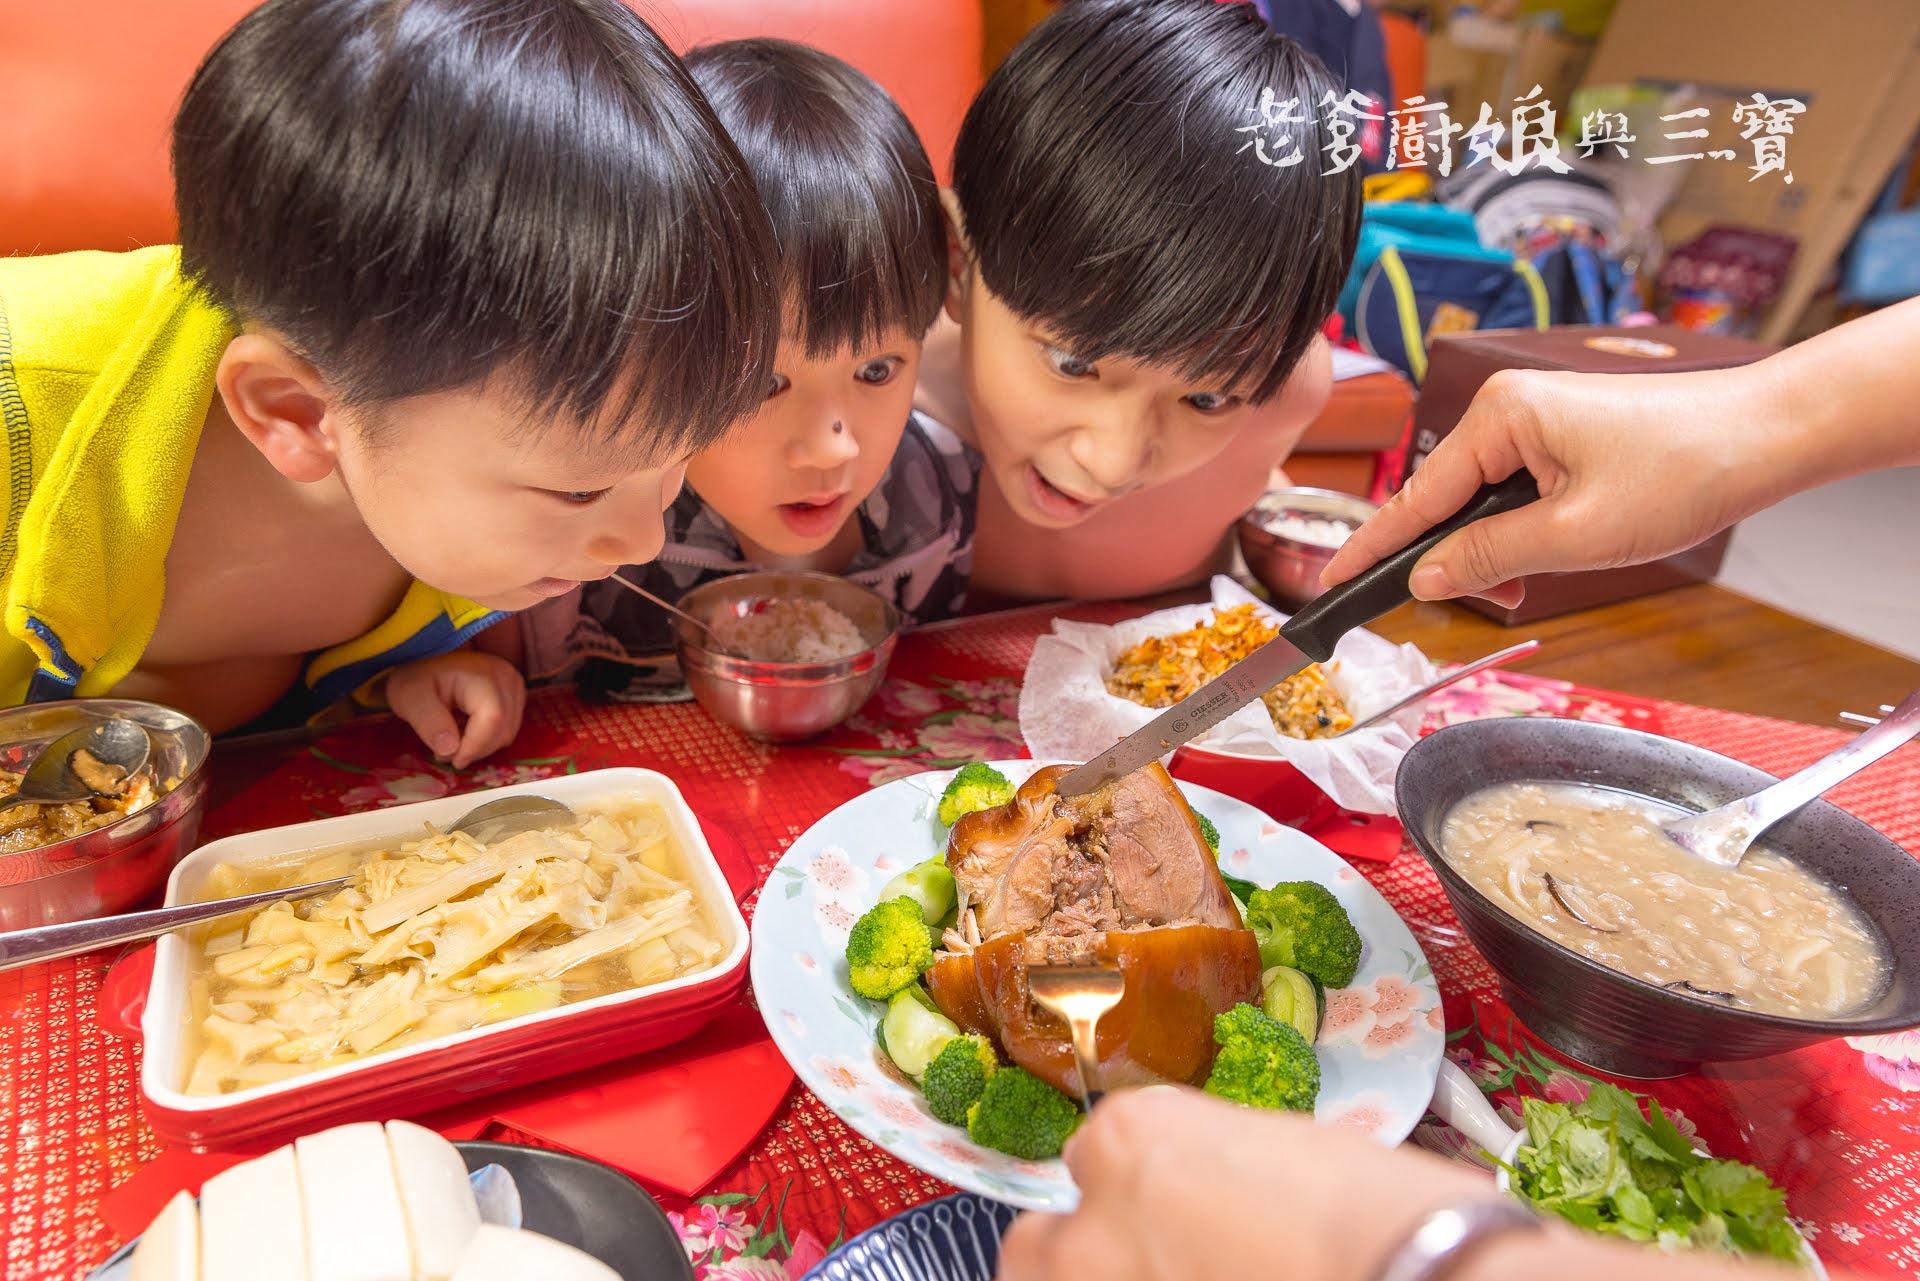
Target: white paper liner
x=1066, y=712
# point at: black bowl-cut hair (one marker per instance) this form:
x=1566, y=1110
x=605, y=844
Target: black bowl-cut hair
x=1109, y=192
x=852, y=196
x=424, y=195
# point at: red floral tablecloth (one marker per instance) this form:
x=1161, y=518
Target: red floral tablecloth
x=1836, y=1124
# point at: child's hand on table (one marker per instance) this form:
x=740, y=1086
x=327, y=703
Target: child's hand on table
x=464, y=705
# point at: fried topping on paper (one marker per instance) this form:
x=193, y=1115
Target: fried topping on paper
x=1162, y=670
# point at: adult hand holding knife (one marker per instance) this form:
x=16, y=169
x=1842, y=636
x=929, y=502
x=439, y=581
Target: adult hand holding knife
x=1308, y=637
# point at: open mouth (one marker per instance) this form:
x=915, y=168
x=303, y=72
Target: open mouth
x=1055, y=502
x=814, y=519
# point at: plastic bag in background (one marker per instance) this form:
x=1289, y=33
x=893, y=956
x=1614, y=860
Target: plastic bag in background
x=1724, y=280
x=1564, y=226
x=1641, y=192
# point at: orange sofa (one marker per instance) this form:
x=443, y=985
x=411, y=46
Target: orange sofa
x=93, y=87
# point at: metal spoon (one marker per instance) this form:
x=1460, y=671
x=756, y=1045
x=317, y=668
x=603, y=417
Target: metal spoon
x=1079, y=995
x=1431, y=688
x=492, y=821
x=510, y=815
x=713, y=637
x=118, y=745
x=1723, y=835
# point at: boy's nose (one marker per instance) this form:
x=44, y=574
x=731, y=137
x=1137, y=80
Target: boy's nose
x=1114, y=447
x=829, y=443
x=631, y=538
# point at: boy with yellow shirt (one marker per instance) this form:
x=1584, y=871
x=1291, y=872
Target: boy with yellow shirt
x=461, y=285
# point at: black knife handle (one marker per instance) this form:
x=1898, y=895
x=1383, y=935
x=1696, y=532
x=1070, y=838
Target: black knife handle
x=1320, y=624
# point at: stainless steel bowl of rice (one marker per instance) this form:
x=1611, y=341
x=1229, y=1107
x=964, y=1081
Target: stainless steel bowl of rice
x=805, y=651
x=1291, y=534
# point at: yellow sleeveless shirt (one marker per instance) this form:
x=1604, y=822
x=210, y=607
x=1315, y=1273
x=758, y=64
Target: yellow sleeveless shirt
x=106, y=375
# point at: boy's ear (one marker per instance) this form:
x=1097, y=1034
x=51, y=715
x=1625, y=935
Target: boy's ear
x=280, y=402
x=959, y=254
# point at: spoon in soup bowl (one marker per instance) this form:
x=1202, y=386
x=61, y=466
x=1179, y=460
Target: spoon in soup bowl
x=492, y=821
x=1724, y=835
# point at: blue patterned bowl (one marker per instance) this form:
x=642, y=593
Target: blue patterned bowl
x=956, y=1238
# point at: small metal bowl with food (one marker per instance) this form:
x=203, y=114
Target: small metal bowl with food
x=784, y=656
x=119, y=786
x=1290, y=535
x=451, y=963
x=1631, y=953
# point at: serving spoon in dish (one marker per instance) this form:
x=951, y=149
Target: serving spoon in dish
x=495, y=820
x=1433, y=687
x=93, y=760
x=1079, y=995
x=1724, y=835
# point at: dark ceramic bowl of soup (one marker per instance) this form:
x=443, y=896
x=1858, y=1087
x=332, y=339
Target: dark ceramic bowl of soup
x=1613, y=1020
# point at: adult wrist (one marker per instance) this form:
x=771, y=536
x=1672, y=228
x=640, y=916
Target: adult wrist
x=1778, y=438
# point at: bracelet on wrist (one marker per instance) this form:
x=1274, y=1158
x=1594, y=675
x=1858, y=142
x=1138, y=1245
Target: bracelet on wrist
x=1442, y=1240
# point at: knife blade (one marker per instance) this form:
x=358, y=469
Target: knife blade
x=1308, y=637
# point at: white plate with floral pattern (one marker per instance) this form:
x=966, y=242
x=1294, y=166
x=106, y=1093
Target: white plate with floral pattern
x=1379, y=1046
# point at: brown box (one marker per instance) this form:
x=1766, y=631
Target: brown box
x=1458, y=364
x=1854, y=63
x=1497, y=62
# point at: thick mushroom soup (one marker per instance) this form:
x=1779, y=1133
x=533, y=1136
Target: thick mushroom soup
x=1590, y=868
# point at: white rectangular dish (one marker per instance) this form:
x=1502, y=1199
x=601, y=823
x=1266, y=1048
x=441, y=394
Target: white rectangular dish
x=454, y=1068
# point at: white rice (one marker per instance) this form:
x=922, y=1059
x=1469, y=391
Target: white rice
x=791, y=629
x=1315, y=531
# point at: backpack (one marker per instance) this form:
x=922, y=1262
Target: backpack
x=1408, y=297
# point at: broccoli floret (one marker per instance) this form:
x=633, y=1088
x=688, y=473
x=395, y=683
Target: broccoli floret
x=1208, y=830
x=929, y=884
x=975, y=787
x=1301, y=925
x=913, y=1030
x=957, y=1077
x=1023, y=1116
x=889, y=948
x=1262, y=1063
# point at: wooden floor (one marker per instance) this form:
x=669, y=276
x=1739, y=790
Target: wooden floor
x=1701, y=645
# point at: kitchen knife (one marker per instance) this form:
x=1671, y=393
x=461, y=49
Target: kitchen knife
x=1308, y=637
